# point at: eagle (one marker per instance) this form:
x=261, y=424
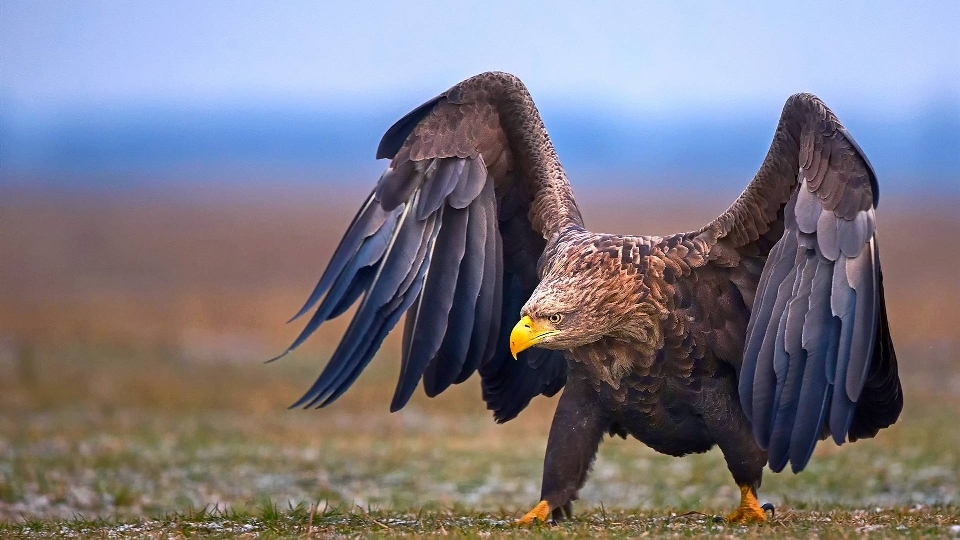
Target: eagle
x=763, y=332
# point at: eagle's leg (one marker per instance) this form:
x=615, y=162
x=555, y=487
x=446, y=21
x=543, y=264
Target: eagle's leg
x=745, y=459
x=576, y=432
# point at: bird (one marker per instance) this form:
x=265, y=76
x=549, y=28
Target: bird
x=762, y=333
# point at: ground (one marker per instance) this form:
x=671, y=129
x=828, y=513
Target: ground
x=134, y=400
x=157, y=448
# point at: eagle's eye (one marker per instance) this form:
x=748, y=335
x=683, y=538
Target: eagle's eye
x=556, y=318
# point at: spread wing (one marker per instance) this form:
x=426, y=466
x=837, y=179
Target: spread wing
x=451, y=236
x=818, y=357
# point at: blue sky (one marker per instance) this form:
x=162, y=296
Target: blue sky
x=883, y=61
x=636, y=55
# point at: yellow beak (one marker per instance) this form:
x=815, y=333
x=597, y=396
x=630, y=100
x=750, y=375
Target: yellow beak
x=526, y=334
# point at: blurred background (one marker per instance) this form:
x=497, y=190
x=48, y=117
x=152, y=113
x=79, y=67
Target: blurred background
x=175, y=175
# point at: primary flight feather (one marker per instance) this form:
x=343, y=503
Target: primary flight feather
x=762, y=332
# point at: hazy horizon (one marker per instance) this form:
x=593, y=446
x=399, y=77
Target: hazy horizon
x=148, y=92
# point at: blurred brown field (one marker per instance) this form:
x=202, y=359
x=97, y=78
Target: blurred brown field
x=210, y=275
x=215, y=272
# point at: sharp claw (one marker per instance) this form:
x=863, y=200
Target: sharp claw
x=768, y=507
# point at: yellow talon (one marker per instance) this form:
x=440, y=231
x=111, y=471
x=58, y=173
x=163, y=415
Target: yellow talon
x=749, y=511
x=540, y=512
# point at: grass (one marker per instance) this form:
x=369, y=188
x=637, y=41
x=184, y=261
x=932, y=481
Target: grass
x=212, y=451
x=301, y=521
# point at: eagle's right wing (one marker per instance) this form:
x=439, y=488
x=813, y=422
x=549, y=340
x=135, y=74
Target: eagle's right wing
x=451, y=235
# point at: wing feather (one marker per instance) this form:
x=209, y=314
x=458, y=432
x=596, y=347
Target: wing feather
x=436, y=300
x=401, y=263
x=759, y=322
x=484, y=334
x=764, y=383
x=439, y=185
x=795, y=366
x=860, y=272
x=842, y=303
x=471, y=184
x=817, y=354
x=389, y=320
x=428, y=242
x=445, y=367
x=361, y=282
x=369, y=220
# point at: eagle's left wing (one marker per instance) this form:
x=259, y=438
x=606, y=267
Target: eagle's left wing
x=818, y=356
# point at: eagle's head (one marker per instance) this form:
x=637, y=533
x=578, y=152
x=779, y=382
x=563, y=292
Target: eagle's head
x=588, y=290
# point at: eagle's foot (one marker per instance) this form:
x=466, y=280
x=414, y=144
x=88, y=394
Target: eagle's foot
x=540, y=512
x=749, y=511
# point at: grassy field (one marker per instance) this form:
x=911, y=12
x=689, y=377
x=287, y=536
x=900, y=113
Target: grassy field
x=107, y=442
x=133, y=400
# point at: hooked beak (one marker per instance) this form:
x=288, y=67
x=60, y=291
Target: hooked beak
x=527, y=334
